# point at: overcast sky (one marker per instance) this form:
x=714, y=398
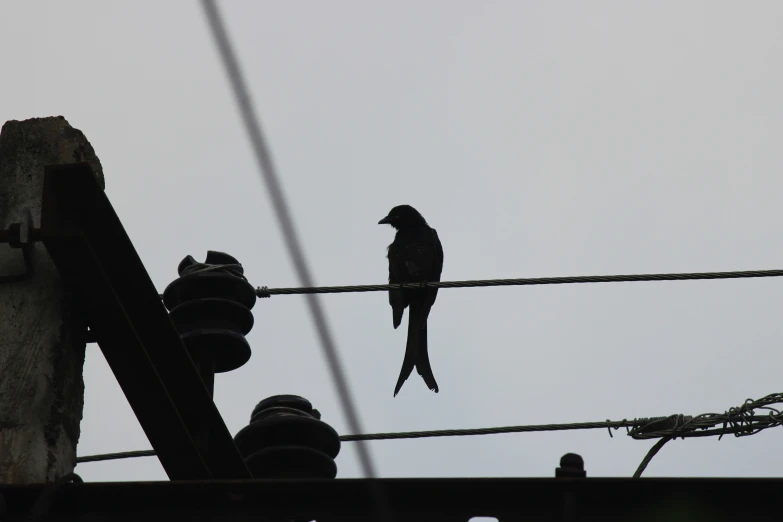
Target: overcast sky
x=538, y=138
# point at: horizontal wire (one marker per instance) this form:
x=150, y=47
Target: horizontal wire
x=489, y=431
x=416, y=435
x=740, y=421
x=263, y=291
x=116, y=456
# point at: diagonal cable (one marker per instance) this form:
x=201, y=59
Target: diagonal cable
x=285, y=221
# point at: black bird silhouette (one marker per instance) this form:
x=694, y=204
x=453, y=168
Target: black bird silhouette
x=415, y=256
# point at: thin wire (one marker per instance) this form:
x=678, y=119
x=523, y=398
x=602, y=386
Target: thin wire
x=740, y=421
x=490, y=431
x=116, y=456
x=285, y=221
x=415, y=435
x=650, y=454
x=263, y=291
x=268, y=292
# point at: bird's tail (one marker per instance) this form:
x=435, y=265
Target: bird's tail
x=423, y=361
x=416, y=348
x=410, y=352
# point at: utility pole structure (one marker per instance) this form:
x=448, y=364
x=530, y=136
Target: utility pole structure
x=42, y=337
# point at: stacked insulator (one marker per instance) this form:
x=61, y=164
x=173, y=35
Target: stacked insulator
x=286, y=438
x=210, y=305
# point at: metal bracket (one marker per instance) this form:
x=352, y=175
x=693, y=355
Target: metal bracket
x=21, y=235
x=94, y=255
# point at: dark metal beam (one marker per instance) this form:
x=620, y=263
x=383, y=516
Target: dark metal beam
x=413, y=500
x=91, y=249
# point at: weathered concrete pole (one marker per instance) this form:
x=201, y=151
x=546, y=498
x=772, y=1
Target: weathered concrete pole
x=42, y=339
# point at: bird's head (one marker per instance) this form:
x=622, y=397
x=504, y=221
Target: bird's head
x=402, y=216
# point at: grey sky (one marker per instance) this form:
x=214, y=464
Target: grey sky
x=538, y=138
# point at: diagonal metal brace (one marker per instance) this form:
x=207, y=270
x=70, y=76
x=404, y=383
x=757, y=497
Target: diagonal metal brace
x=94, y=255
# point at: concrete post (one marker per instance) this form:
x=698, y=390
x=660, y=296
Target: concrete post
x=42, y=341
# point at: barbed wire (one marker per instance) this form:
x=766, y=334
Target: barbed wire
x=740, y=421
x=264, y=292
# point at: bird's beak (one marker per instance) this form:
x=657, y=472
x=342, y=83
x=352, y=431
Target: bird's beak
x=385, y=221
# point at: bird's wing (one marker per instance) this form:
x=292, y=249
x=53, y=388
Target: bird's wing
x=396, y=297
x=437, y=267
x=420, y=256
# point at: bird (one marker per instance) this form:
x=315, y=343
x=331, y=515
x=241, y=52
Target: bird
x=415, y=256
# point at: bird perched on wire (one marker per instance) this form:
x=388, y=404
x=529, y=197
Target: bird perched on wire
x=415, y=256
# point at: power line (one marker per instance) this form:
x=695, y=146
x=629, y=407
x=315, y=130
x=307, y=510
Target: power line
x=416, y=435
x=116, y=456
x=413, y=435
x=489, y=431
x=268, y=292
x=739, y=421
x=284, y=219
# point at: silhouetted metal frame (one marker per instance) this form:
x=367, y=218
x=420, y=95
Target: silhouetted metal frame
x=413, y=500
x=97, y=260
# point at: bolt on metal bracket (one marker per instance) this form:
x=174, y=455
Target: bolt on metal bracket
x=21, y=235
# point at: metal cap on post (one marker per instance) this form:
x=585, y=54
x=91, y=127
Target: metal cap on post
x=571, y=465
